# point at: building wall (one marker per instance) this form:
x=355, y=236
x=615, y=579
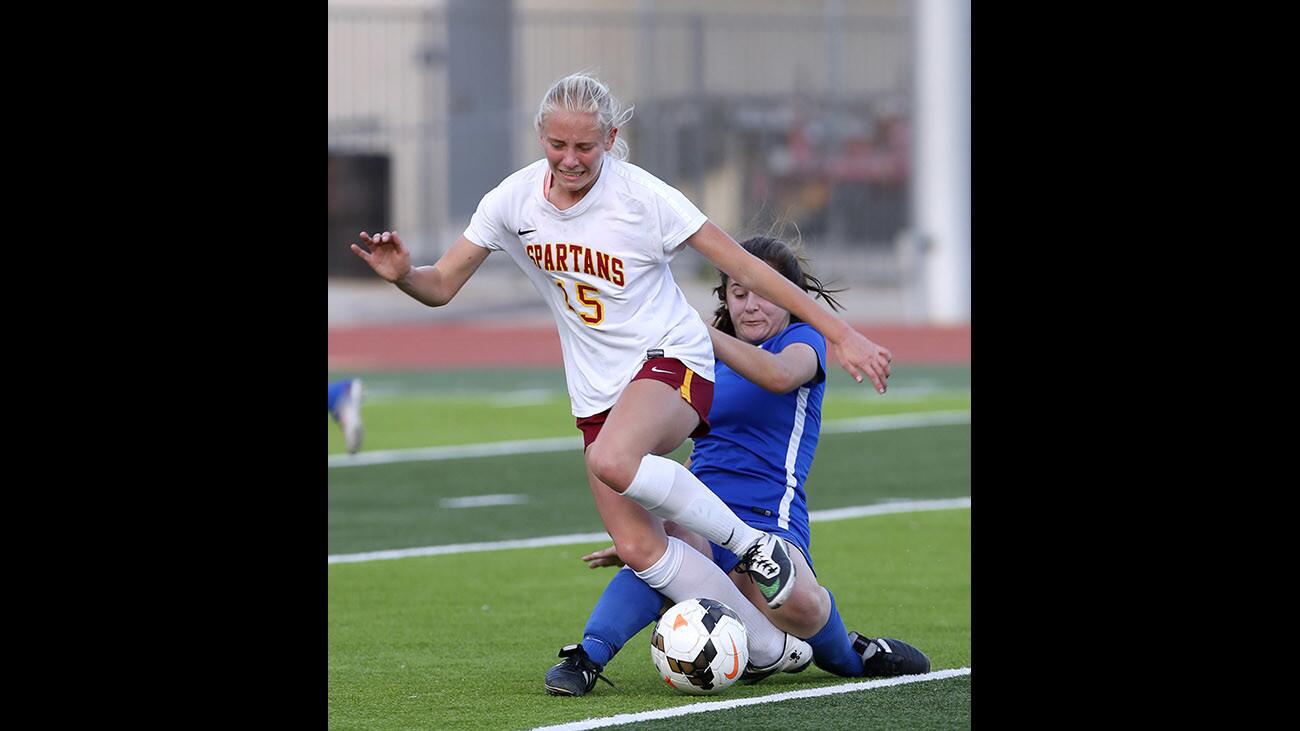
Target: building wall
x=388, y=87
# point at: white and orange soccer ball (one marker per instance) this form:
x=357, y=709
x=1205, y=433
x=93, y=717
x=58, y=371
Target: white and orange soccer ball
x=699, y=647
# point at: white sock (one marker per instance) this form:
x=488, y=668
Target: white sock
x=669, y=490
x=684, y=573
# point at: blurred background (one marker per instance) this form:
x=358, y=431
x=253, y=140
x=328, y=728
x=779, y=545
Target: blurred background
x=844, y=122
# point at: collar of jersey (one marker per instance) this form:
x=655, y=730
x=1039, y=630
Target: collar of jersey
x=581, y=205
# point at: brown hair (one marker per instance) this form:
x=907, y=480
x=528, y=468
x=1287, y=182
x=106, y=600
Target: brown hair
x=789, y=263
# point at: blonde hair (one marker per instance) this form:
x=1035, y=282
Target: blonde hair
x=585, y=94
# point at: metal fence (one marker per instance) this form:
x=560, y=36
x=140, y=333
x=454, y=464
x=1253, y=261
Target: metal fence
x=796, y=117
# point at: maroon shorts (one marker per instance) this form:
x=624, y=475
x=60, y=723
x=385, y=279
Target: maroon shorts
x=697, y=391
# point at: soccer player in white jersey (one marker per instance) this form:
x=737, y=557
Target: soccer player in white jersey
x=595, y=234
x=764, y=427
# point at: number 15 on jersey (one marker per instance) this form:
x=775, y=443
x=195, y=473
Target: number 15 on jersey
x=588, y=296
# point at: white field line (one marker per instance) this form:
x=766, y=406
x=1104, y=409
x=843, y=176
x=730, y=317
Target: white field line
x=705, y=707
x=458, y=451
x=482, y=501
x=907, y=506
x=565, y=540
x=560, y=444
x=896, y=421
x=575, y=538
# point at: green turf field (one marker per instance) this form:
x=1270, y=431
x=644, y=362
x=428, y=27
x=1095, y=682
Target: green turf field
x=428, y=408
x=463, y=640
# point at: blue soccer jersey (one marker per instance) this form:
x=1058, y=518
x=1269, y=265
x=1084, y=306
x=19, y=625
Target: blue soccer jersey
x=758, y=452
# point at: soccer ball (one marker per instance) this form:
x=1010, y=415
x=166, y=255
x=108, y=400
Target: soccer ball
x=699, y=646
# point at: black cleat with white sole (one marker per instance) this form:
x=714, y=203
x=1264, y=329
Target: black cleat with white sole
x=575, y=675
x=884, y=657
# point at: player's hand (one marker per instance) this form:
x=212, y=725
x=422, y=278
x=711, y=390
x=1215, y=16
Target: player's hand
x=859, y=356
x=603, y=557
x=387, y=255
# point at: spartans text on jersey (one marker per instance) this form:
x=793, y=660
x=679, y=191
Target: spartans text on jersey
x=578, y=259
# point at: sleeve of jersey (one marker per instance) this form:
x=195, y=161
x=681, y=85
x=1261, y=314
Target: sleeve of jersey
x=485, y=227
x=802, y=332
x=678, y=218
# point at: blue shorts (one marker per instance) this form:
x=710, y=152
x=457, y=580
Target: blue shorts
x=726, y=560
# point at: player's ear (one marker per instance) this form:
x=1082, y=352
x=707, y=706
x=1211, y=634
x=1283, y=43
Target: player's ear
x=609, y=143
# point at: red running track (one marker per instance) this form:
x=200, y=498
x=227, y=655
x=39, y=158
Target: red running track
x=456, y=345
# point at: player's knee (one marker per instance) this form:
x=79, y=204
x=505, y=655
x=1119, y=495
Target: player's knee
x=806, y=610
x=610, y=466
x=639, y=552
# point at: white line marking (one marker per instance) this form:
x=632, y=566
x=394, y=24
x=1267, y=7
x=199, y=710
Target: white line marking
x=705, y=707
x=560, y=444
x=911, y=506
x=896, y=421
x=482, y=501
x=381, y=394
x=458, y=451
x=566, y=540
x=526, y=397
x=576, y=538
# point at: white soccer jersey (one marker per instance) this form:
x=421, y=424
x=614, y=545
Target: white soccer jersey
x=602, y=266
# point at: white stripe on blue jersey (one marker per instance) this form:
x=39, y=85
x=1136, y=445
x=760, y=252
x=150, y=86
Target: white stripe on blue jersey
x=791, y=455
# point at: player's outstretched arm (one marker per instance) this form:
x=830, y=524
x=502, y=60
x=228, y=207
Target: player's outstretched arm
x=432, y=285
x=780, y=372
x=857, y=354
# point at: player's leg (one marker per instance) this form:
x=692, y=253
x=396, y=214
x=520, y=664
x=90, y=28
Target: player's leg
x=626, y=606
x=336, y=390
x=809, y=605
x=795, y=653
x=345, y=406
x=811, y=613
x=679, y=572
x=652, y=418
x=689, y=537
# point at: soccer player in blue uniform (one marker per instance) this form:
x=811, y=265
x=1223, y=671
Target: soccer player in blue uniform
x=345, y=408
x=766, y=418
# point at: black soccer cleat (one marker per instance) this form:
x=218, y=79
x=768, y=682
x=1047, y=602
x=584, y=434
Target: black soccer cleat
x=575, y=675
x=770, y=567
x=884, y=657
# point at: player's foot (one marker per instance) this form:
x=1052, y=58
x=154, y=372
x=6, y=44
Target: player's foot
x=771, y=568
x=348, y=412
x=884, y=657
x=795, y=659
x=575, y=675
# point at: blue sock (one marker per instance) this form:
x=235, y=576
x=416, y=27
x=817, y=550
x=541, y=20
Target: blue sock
x=626, y=607
x=336, y=390
x=832, y=650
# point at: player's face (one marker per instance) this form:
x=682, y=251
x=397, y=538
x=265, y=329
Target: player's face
x=574, y=148
x=755, y=318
